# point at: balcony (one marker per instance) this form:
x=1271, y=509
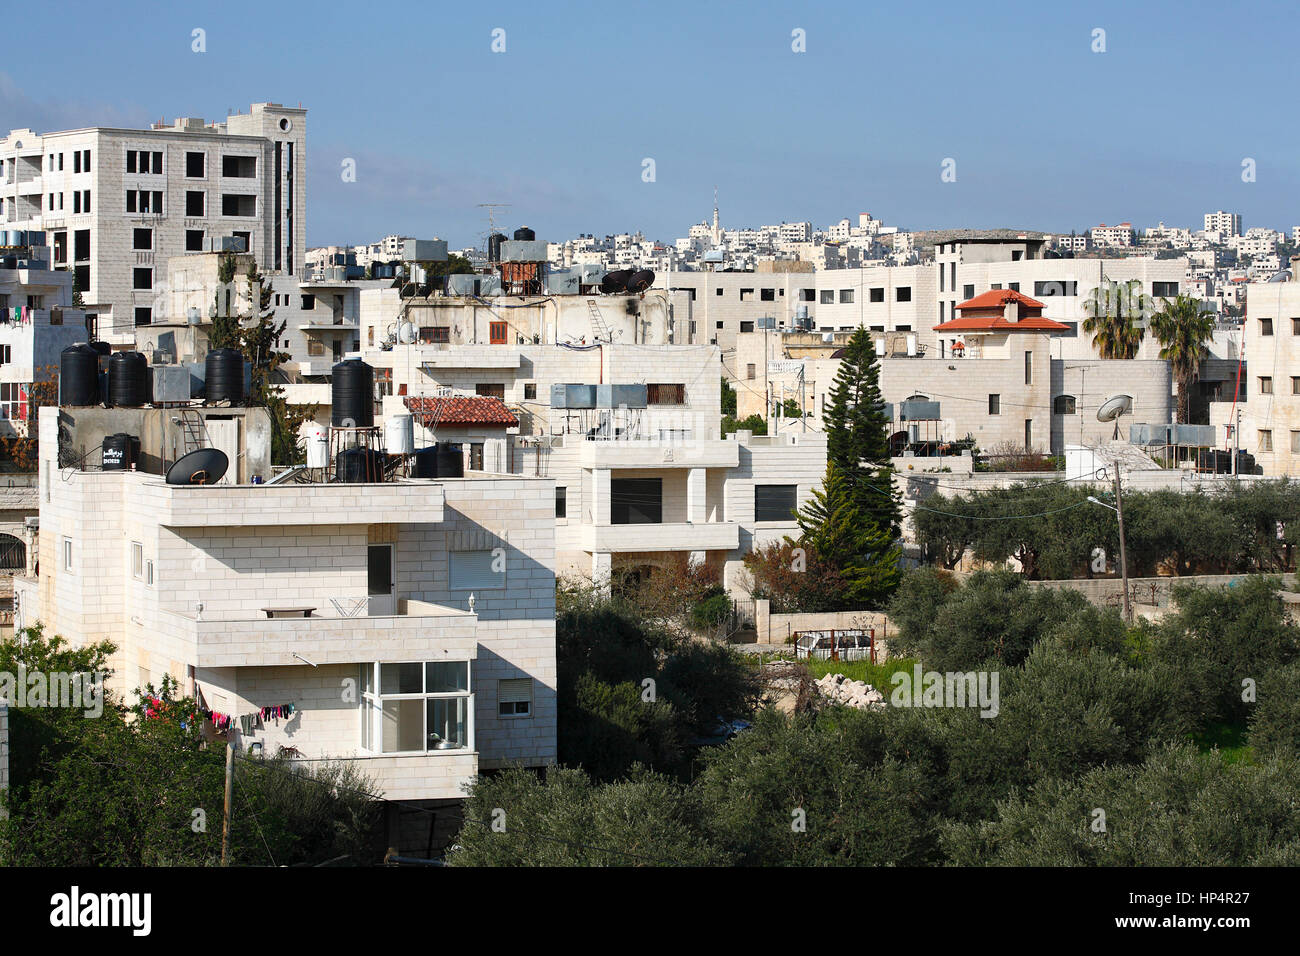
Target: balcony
x=238, y=506
x=684, y=536
x=660, y=454
x=422, y=631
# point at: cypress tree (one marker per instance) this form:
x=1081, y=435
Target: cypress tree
x=864, y=555
x=857, y=433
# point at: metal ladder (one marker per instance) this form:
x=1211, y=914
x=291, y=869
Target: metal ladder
x=598, y=327
x=194, y=431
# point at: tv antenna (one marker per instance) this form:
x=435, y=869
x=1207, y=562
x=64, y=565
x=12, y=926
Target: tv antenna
x=492, y=208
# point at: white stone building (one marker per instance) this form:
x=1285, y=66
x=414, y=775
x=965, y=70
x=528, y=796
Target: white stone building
x=117, y=203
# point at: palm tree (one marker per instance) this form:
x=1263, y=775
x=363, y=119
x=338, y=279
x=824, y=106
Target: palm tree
x=1113, y=310
x=1183, y=327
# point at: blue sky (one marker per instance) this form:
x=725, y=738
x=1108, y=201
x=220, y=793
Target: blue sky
x=1046, y=134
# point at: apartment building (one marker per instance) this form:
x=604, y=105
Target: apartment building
x=1270, y=413
x=118, y=203
x=913, y=299
x=1121, y=236
x=410, y=623
x=998, y=381
x=37, y=322
x=1224, y=223
x=632, y=441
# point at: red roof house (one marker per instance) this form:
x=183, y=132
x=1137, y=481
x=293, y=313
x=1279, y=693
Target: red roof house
x=1001, y=310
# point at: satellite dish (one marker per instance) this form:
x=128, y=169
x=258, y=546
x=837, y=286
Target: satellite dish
x=406, y=333
x=1114, y=407
x=206, y=466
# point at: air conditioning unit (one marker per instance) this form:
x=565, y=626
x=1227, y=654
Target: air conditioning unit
x=32, y=521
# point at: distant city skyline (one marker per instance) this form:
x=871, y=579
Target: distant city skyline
x=1045, y=133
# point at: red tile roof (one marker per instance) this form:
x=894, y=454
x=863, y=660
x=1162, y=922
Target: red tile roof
x=997, y=298
x=461, y=410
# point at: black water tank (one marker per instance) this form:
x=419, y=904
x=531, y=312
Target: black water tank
x=103, y=348
x=119, y=452
x=640, y=281
x=524, y=234
x=450, y=460
x=616, y=281
x=352, y=395
x=223, y=376
x=354, y=465
x=128, y=380
x=494, y=246
x=425, y=464
x=79, y=375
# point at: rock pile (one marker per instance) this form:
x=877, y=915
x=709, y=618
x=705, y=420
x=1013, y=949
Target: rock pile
x=852, y=693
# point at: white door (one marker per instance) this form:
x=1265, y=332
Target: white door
x=224, y=434
x=381, y=573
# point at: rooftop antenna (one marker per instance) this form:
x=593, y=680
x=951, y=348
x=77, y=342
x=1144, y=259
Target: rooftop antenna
x=492, y=208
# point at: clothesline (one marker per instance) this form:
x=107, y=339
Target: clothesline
x=247, y=722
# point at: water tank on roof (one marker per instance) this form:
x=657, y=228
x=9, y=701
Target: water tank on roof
x=223, y=376
x=79, y=375
x=119, y=452
x=357, y=465
x=352, y=394
x=128, y=380
x=494, y=246
x=399, y=435
x=443, y=460
x=524, y=234
x=316, y=439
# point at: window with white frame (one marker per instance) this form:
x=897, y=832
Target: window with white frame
x=148, y=573
x=416, y=707
x=137, y=559
x=67, y=554
x=515, y=697
x=477, y=570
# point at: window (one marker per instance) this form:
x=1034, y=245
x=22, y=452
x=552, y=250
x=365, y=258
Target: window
x=196, y=165
x=561, y=501
x=420, y=707
x=807, y=295
x=1295, y=385
x=193, y=240
x=746, y=295
x=636, y=501
x=498, y=333
x=767, y=295
x=1065, y=405
x=903, y=294
x=477, y=570
x=657, y=394
x=718, y=292
x=435, y=335
x=1029, y=368
x=76, y=203
x=148, y=573
x=142, y=239
x=530, y=391
x=747, y=325
x=775, y=502
x=1265, y=440
x=315, y=347
x=239, y=167
x=491, y=389
x=751, y=371
x=137, y=559
x=308, y=302
x=1266, y=385
x=846, y=296
x=1295, y=326
x=878, y=294
x=515, y=697
x=246, y=238
x=195, y=203
x=76, y=162
x=6, y=354
x=240, y=205
x=13, y=401
x=968, y=292
x=1013, y=286
x=1029, y=434
x=143, y=315
x=1295, y=443
x=476, y=456
x=142, y=278
x=1265, y=326
x=995, y=404
x=1164, y=289
x=828, y=297
x=67, y=554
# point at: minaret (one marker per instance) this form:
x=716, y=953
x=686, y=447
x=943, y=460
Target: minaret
x=717, y=233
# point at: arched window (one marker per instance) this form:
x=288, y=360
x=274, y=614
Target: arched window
x=916, y=398
x=13, y=553
x=1063, y=405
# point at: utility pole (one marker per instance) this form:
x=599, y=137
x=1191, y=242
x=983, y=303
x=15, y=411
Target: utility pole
x=1123, y=553
x=1236, y=438
x=230, y=782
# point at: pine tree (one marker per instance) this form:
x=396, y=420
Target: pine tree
x=857, y=433
x=865, y=556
